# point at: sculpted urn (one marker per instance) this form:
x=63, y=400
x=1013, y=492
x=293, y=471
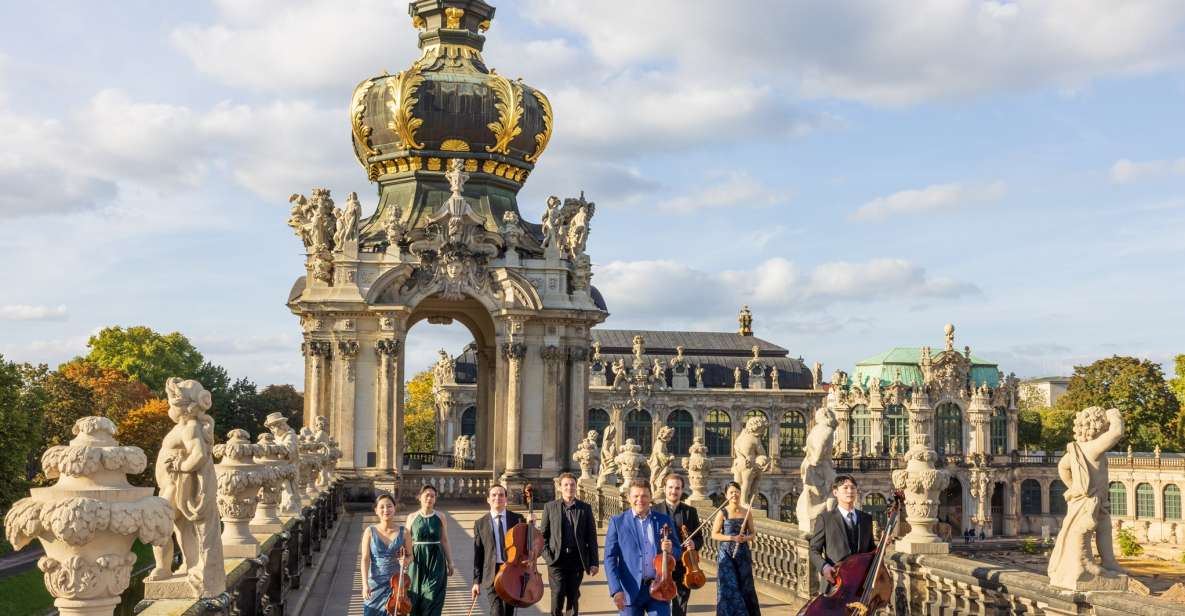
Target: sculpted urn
x=271, y=454
x=239, y=481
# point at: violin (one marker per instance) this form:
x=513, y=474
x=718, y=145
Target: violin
x=519, y=583
x=862, y=583
x=663, y=586
x=693, y=576
x=400, y=604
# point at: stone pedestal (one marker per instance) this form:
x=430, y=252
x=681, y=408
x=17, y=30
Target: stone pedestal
x=922, y=484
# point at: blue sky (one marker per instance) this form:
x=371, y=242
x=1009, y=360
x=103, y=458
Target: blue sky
x=859, y=174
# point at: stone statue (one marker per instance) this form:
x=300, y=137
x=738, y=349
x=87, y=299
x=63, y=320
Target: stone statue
x=333, y=452
x=749, y=459
x=745, y=320
x=578, y=227
x=1084, y=471
x=699, y=376
x=311, y=458
x=461, y=451
x=347, y=222
x=186, y=478
x=699, y=467
x=286, y=437
x=660, y=460
x=443, y=372
x=512, y=231
x=300, y=217
x=658, y=374
x=586, y=455
x=817, y=469
x=618, y=373
x=608, y=457
x=949, y=330
x=394, y=229
x=630, y=461
x=736, y=381
x=551, y=222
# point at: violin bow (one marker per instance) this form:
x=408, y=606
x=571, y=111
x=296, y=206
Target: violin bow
x=704, y=524
x=748, y=510
x=472, y=605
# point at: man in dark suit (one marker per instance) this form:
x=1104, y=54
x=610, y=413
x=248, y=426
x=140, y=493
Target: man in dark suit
x=840, y=532
x=631, y=543
x=682, y=515
x=570, y=547
x=489, y=548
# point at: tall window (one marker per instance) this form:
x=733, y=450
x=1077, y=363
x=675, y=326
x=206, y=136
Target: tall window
x=876, y=506
x=1117, y=494
x=895, y=429
x=948, y=429
x=597, y=420
x=1057, y=497
x=1172, y=502
x=789, y=508
x=718, y=434
x=639, y=428
x=1145, y=501
x=760, y=413
x=681, y=421
x=1030, y=497
x=999, y=430
x=761, y=503
x=860, y=430
x=791, y=434
x=469, y=421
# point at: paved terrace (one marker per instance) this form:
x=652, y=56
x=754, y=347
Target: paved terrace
x=338, y=588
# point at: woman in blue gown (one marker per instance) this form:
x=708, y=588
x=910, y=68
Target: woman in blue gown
x=735, y=592
x=381, y=547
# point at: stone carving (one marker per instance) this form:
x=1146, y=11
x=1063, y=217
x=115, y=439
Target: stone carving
x=88, y=519
x=736, y=381
x=444, y=372
x=749, y=459
x=287, y=438
x=586, y=455
x=608, y=474
x=394, y=229
x=660, y=460
x=186, y=477
x=270, y=453
x=921, y=483
x=817, y=469
x=658, y=374
x=312, y=456
x=1084, y=471
x=347, y=222
x=551, y=219
x=315, y=223
x=699, y=467
x=578, y=224
x=512, y=231
x=463, y=451
x=239, y=481
x=332, y=452
x=745, y=320
x=631, y=462
x=699, y=376
x=619, y=374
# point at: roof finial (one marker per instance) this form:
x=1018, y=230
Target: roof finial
x=746, y=321
x=950, y=336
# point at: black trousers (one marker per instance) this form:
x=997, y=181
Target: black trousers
x=497, y=607
x=682, y=594
x=564, y=578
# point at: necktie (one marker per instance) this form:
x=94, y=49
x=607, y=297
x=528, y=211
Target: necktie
x=852, y=537
x=501, y=537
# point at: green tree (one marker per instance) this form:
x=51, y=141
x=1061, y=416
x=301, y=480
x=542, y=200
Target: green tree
x=1028, y=428
x=419, y=413
x=20, y=428
x=281, y=399
x=1177, y=384
x=1057, y=428
x=145, y=355
x=1135, y=386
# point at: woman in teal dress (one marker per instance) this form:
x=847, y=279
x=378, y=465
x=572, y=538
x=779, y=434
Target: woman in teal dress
x=382, y=550
x=736, y=594
x=432, y=563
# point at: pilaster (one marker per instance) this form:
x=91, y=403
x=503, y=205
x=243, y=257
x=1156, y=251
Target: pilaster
x=342, y=423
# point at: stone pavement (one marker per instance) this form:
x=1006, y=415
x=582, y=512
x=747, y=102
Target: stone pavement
x=337, y=589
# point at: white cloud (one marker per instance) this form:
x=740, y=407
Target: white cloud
x=933, y=198
x=1125, y=171
x=733, y=189
x=25, y=312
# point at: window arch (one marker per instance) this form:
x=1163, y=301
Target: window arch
x=895, y=429
x=948, y=429
x=1117, y=494
x=1030, y=497
x=760, y=413
x=684, y=427
x=860, y=430
x=999, y=431
x=876, y=506
x=469, y=421
x=1145, y=501
x=597, y=419
x=1057, y=497
x=789, y=511
x=639, y=428
x=718, y=434
x=761, y=503
x=791, y=434
x=1172, y=502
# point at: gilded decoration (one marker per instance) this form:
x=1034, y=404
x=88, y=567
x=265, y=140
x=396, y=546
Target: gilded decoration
x=454, y=145
x=510, y=111
x=433, y=164
x=542, y=138
x=453, y=15
x=484, y=25
x=357, y=109
x=402, y=88
x=418, y=22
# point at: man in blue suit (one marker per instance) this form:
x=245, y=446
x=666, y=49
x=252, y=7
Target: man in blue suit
x=631, y=543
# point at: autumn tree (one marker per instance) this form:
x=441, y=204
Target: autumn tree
x=1135, y=386
x=145, y=355
x=20, y=427
x=113, y=393
x=145, y=427
x=419, y=413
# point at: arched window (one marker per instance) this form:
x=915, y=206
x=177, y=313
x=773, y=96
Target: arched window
x=791, y=434
x=597, y=420
x=1172, y=502
x=860, y=430
x=895, y=429
x=789, y=508
x=999, y=430
x=469, y=421
x=1057, y=497
x=1145, y=501
x=1030, y=497
x=876, y=506
x=948, y=429
x=717, y=499
x=684, y=426
x=761, y=503
x=760, y=413
x=1117, y=494
x=718, y=434
x=639, y=428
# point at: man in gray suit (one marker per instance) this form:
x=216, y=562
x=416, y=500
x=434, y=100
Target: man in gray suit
x=840, y=532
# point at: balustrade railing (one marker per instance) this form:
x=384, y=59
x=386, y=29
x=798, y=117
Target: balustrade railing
x=868, y=463
x=450, y=483
x=1151, y=462
x=1035, y=459
x=415, y=459
x=780, y=552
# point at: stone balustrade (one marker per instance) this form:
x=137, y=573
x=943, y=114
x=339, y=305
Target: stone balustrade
x=449, y=483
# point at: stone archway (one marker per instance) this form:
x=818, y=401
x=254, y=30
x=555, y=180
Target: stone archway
x=950, y=507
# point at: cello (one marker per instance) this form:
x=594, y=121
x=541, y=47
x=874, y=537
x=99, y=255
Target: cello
x=519, y=583
x=663, y=587
x=400, y=604
x=862, y=584
x=693, y=576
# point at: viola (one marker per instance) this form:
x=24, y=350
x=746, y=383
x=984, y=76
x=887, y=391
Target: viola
x=862, y=583
x=663, y=586
x=519, y=583
x=400, y=604
x=693, y=576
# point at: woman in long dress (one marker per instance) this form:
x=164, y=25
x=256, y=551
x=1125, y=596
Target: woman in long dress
x=432, y=562
x=735, y=593
x=382, y=549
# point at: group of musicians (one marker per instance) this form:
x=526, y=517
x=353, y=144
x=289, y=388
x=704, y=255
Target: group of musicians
x=633, y=539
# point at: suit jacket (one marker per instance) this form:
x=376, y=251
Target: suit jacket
x=683, y=515
x=623, y=561
x=485, y=547
x=585, y=531
x=829, y=540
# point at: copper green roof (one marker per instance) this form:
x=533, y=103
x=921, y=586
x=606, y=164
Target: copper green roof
x=885, y=366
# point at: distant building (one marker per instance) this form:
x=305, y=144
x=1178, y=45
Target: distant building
x=1044, y=391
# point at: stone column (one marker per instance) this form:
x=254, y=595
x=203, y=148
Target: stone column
x=485, y=408
x=577, y=389
x=513, y=354
x=843, y=415
x=980, y=414
x=922, y=483
x=342, y=427
x=387, y=350
x=775, y=444
x=877, y=427
x=553, y=357
x=1045, y=483
x=315, y=389
x=239, y=481
x=1013, y=430
x=398, y=395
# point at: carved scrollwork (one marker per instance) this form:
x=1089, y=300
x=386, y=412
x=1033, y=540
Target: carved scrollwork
x=348, y=349
x=402, y=88
x=544, y=136
x=514, y=350
x=510, y=110
x=357, y=110
x=388, y=347
x=552, y=353
x=81, y=578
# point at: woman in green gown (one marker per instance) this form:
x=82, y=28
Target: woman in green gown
x=432, y=563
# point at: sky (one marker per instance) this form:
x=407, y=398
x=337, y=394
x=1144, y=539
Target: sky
x=859, y=174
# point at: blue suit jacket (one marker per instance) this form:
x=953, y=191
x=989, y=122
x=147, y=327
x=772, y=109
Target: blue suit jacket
x=623, y=562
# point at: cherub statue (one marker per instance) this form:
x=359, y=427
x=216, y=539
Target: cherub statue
x=608, y=457
x=287, y=437
x=618, y=373
x=578, y=227
x=817, y=469
x=660, y=460
x=749, y=459
x=551, y=221
x=658, y=374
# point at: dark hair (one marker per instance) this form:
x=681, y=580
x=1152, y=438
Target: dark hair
x=640, y=483
x=669, y=476
x=490, y=489
x=388, y=497
x=733, y=484
x=426, y=487
x=564, y=476
x=841, y=479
